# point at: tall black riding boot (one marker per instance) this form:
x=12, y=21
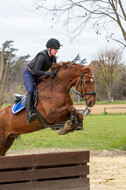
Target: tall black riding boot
x=29, y=108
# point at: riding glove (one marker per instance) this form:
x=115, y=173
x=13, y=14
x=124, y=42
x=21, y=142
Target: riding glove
x=51, y=74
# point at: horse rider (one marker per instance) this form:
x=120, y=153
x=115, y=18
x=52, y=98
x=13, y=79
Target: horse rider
x=37, y=68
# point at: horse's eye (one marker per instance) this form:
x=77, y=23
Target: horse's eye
x=86, y=82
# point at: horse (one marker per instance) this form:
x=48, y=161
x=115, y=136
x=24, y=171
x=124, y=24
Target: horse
x=54, y=104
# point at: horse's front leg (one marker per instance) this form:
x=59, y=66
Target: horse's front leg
x=61, y=114
x=72, y=124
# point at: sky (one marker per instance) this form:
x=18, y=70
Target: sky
x=30, y=29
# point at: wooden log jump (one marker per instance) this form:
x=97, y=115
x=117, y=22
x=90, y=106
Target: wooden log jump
x=59, y=125
x=51, y=171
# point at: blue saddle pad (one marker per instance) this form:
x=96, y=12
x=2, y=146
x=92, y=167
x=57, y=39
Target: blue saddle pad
x=17, y=107
x=21, y=101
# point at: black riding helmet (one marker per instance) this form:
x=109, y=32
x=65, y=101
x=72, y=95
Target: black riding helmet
x=53, y=44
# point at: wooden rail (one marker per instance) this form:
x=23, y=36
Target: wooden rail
x=59, y=125
x=113, y=108
x=52, y=171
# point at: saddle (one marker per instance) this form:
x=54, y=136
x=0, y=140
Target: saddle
x=20, y=104
x=20, y=101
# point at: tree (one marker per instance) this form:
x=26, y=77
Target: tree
x=99, y=14
x=14, y=80
x=119, y=86
x=107, y=69
x=5, y=60
x=78, y=60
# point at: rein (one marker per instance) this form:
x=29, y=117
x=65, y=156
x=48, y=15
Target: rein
x=51, y=86
x=62, y=82
x=80, y=82
x=52, y=83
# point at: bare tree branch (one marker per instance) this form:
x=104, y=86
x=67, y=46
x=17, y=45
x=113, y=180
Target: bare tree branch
x=121, y=6
x=99, y=13
x=120, y=42
x=118, y=19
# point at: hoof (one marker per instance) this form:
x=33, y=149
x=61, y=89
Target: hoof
x=66, y=129
x=62, y=131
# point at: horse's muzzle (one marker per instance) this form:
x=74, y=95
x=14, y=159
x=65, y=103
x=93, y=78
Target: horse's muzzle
x=90, y=104
x=90, y=101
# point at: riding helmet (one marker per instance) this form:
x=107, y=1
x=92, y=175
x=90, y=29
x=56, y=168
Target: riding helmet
x=53, y=44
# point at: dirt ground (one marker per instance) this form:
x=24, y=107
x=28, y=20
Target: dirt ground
x=118, y=108
x=107, y=168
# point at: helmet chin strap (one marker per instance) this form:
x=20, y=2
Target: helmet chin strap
x=49, y=52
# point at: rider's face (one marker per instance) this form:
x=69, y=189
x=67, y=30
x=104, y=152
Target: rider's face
x=54, y=52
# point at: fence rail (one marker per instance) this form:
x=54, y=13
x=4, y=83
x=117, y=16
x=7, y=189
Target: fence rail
x=59, y=171
x=113, y=108
x=80, y=126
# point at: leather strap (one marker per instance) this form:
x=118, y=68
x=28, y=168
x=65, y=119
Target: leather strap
x=44, y=123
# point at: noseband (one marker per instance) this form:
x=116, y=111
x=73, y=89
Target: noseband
x=81, y=83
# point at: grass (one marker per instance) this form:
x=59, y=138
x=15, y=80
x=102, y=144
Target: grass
x=111, y=103
x=5, y=104
x=104, y=102
x=100, y=132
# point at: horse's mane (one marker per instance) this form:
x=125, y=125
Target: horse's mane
x=64, y=65
x=85, y=69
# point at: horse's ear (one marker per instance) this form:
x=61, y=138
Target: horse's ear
x=87, y=69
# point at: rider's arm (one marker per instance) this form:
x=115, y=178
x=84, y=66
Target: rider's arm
x=39, y=65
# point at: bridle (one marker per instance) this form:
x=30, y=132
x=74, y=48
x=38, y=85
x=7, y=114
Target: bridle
x=81, y=83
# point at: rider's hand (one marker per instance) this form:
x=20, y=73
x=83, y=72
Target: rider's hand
x=51, y=74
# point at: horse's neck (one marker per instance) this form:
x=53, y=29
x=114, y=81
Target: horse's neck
x=68, y=77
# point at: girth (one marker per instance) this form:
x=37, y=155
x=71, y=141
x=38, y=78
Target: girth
x=42, y=120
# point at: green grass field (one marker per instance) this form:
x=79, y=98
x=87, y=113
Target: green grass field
x=104, y=102
x=100, y=132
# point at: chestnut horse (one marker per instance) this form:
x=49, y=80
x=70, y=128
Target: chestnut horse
x=54, y=104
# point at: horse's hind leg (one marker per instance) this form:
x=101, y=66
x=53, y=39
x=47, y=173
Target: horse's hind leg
x=7, y=145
